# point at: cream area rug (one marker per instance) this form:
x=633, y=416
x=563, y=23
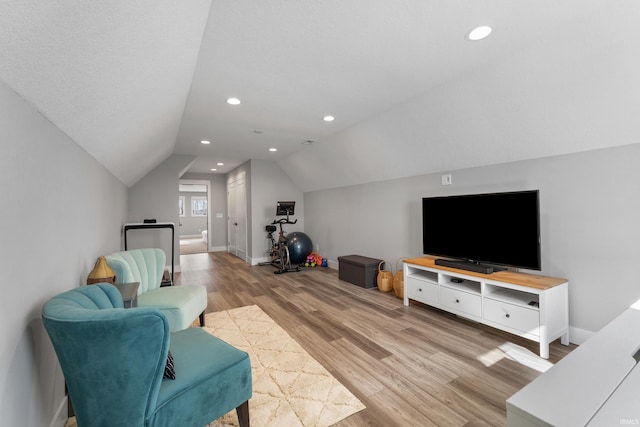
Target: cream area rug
x=290, y=388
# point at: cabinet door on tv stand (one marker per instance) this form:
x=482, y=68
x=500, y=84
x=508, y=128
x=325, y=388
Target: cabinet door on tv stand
x=461, y=302
x=422, y=291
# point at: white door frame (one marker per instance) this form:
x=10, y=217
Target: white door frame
x=209, y=221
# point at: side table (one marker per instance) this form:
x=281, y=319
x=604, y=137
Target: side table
x=129, y=292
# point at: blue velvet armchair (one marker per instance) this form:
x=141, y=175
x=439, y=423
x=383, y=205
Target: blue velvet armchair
x=113, y=360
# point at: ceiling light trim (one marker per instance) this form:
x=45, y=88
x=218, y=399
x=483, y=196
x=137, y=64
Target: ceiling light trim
x=479, y=33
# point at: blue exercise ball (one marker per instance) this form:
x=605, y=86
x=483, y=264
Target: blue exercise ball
x=300, y=246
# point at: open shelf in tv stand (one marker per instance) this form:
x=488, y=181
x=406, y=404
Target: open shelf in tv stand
x=528, y=305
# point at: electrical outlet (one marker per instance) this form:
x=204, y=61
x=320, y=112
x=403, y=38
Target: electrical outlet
x=446, y=179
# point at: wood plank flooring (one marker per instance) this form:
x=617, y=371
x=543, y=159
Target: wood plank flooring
x=192, y=245
x=411, y=366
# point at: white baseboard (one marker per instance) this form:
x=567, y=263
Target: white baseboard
x=218, y=249
x=256, y=261
x=61, y=415
x=579, y=336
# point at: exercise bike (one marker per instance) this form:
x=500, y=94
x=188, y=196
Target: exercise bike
x=279, y=252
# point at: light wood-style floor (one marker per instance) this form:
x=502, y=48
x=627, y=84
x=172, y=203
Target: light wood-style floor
x=192, y=245
x=410, y=366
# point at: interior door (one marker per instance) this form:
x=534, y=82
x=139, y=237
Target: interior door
x=237, y=217
x=231, y=218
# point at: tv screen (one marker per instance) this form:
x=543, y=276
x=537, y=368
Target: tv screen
x=285, y=208
x=500, y=229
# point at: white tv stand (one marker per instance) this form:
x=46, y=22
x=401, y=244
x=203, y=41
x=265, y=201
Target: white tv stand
x=528, y=305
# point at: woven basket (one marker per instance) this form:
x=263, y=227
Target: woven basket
x=398, y=280
x=385, y=279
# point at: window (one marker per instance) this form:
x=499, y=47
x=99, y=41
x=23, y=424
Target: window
x=181, y=206
x=198, y=206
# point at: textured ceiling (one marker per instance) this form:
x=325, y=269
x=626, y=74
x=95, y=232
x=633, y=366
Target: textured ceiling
x=113, y=76
x=134, y=82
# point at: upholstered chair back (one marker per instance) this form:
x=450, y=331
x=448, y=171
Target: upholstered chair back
x=144, y=266
x=181, y=304
x=113, y=358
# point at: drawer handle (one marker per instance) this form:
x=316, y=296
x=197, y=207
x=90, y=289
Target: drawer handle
x=507, y=315
x=457, y=300
x=419, y=289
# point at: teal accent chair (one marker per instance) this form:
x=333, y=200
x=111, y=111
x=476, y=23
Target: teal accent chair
x=113, y=360
x=181, y=304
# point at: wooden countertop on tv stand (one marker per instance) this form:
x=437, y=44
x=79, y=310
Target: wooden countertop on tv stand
x=524, y=279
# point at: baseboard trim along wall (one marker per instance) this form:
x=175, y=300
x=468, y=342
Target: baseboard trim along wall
x=61, y=415
x=579, y=336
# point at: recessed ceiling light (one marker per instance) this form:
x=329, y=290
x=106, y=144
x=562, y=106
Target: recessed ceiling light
x=233, y=101
x=220, y=164
x=205, y=142
x=328, y=118
x=479, y=33
x=273, y=149
x=213, y=169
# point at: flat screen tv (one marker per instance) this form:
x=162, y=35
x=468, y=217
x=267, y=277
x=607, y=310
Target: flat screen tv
x=285, y=208
x=496, y=229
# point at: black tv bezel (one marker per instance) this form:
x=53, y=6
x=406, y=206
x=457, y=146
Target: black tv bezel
x=498, y=264
x=285, y=208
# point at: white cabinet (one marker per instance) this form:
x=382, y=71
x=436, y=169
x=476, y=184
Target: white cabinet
x=510, y=316
x=464, y=303
x=532, y=306
x=422, y=291
x=422, y=286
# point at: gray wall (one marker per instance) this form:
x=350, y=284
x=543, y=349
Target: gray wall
x=269, y=184
x=60, y=210
x=156, y=197
x=266, y=184
x=590, y=205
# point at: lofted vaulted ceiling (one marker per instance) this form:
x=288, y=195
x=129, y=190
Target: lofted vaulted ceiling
x=134, y=82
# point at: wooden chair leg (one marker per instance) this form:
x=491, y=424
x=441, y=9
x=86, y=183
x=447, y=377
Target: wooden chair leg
x=243, y=414
x=202, y=319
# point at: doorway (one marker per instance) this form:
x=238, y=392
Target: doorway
x=193, y=210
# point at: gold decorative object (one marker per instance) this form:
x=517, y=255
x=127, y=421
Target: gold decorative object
x=385, y=279
x=101, y=273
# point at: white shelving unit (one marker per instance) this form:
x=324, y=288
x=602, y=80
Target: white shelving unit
x=531, y=306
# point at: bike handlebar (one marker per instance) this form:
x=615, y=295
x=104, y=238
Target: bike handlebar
x=283, y=221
